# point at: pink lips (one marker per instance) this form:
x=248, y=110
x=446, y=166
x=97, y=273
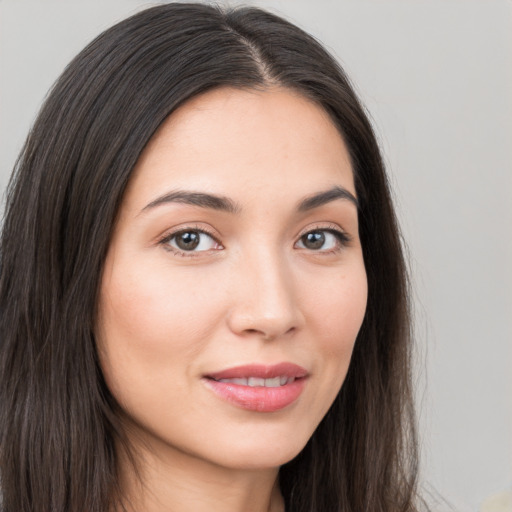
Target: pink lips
x=283, y=384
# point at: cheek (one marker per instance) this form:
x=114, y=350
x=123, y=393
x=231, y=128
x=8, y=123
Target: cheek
x=153, y=310
x=338, y=308
x=151, y=326
x=336, y=313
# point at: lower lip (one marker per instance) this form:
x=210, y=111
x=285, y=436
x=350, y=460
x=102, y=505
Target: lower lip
x=259, y=398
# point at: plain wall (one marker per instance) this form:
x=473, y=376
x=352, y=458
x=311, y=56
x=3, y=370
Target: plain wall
x=436, y=76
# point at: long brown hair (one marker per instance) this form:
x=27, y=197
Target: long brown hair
x=58, y=423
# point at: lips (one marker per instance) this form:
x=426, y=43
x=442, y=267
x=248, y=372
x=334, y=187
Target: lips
x=259, y=388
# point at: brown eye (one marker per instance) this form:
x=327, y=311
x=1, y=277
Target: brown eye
x=191, y=240
x=187, y=241
x=323, y=240
x=313, y=240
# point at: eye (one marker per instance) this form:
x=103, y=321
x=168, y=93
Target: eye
x=322, y=240
x=191, y=240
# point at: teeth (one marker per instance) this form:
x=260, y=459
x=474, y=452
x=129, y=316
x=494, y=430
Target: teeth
x=252, y=382
x=273, y=383
x=255, y=381
x=241, y=382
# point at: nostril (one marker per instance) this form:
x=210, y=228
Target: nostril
x=268, y=335
x=259, y=320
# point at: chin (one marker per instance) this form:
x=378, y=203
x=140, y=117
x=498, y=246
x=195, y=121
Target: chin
x=261, y=459
x=262, y=453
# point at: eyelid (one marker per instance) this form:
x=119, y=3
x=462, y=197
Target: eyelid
x=341, y=235
x=169, y=235
x=327, y=226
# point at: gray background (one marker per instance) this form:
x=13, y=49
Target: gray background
x=437, y=79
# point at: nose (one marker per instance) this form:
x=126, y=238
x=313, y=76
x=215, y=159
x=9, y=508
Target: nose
x=265, y=302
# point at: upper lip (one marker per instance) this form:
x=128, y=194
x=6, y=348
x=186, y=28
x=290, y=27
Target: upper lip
x=260, y=371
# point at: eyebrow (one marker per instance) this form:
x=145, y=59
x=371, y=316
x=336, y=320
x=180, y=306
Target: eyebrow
x=200, y=199
x=317, y=200
x=222, y=203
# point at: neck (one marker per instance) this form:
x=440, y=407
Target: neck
x=173, y=481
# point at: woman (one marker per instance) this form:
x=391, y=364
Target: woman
x=203, y=294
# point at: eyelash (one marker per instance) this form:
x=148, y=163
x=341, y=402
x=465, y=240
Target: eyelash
x=166, y=239
x=342, y=238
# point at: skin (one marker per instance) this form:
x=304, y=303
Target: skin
x=252, y=293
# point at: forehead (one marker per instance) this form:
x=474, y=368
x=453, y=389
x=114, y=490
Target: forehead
x=244, y=143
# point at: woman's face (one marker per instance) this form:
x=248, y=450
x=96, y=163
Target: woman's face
x=234, y=286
